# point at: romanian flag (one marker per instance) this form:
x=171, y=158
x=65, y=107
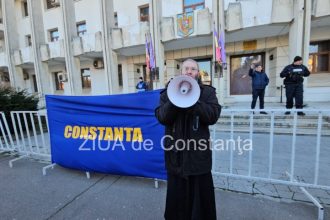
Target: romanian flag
x=217, y=46
x=222, y=47
x=147, y=52
x=151, y=54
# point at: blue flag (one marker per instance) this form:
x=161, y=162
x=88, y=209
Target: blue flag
x=117, y=134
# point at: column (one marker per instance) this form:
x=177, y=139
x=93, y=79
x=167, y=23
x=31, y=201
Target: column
x=38, y=38
x=155, y=11
x=109, y=57
x=296, y=33
x=70, y=31
x=219, y=23
x=11, y=42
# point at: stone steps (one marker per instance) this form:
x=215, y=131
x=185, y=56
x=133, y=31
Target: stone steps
x=282, y=124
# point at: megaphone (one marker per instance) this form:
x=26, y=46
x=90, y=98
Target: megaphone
x=183, y=91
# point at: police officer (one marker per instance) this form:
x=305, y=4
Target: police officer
x=294, y=77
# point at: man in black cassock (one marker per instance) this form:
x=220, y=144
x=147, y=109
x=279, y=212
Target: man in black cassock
x=190, y=190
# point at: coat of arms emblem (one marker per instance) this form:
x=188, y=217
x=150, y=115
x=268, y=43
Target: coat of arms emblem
x=185, y=24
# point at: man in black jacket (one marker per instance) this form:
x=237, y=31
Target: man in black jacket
x=188, y=157
x=259, y=82
x=294, y=77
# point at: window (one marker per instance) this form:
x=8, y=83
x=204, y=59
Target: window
x=240, y=81
x=52, y=4
x=28, y=40
x=155, y=74
x=120, y=75
x=205, y=71
x=25, y=9
x=190, y=5
x=4, y=77
x=59, y=85
x=81, y=28
x=144, y=13
x=54, y=35
x=35, y=86
x=86, y=78
x=116, y=19
x=319, y=57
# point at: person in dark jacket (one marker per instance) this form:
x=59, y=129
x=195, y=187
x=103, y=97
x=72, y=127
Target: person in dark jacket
x=188, y=157
x=141, y=86
x=294, y=77
x=259, y=82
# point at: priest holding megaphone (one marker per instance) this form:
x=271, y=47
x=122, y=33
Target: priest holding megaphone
x=187, y=108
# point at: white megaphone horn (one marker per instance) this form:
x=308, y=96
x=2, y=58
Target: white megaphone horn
x=183, y=91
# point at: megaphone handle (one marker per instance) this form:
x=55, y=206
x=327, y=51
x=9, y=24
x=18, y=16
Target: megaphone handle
x=196, y=123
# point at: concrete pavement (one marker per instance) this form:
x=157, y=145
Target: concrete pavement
x=68, y=194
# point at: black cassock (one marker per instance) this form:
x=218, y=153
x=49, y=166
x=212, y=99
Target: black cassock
x=190, y=197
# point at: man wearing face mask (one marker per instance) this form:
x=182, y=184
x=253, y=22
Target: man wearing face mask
x=294, y=77
x=141, y=86
x=190, y=190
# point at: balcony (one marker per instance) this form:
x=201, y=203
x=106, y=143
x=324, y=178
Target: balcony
x=24, y=56
x=200, y=34
x=53, y=51
x=88, y=45
x=244, y=20
x=202, y=25
x=130, y=40
x=321, y=8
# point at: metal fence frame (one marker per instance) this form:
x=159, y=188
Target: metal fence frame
x=23, y=144
x=27, y=142
x=291, y=181
x=8, y=144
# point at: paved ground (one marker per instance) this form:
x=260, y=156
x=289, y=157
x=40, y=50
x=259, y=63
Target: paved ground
x=304, y=167
x=68, y=194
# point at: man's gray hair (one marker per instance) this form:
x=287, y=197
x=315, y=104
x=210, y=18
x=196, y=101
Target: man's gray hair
x=191, y=60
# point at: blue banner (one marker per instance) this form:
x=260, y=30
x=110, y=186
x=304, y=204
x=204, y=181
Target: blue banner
x=117, y=134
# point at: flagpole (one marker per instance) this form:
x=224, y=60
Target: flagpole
x=221, y=18
x=214, y=54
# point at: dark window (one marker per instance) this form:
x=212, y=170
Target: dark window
x=35, y=87
x=190, y=5
x=144, y=13
x=25, y=9
x=86, y=78
x=319, y=57
x=120, y=75
x=28, y=40
x=52, y=4
x=81, y=28
x=116, y=19
x=154, y=74
x=240, y=81
x=59, y=85
x=54, y=35
x=5, y=77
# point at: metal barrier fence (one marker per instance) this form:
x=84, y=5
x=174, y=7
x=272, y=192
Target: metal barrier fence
x=31, y=135
x=322, y=128
x=6, y=140
x=290, y=150
x=283, y=149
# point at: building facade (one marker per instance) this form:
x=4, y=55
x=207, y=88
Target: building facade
x=97, y=47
